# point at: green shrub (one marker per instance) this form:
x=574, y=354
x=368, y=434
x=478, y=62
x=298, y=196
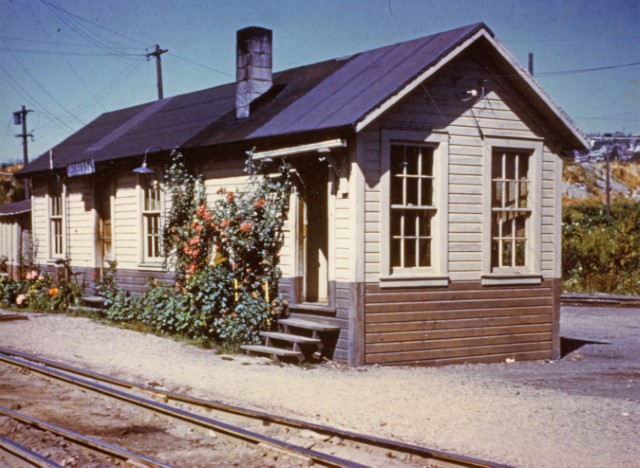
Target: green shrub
x=601, y=254
x=224, y=258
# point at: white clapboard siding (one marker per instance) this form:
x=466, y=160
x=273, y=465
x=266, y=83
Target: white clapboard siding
x=40, y=220
x=500, y=112
x=125, y=222
x=9, y=236
x=80, y=223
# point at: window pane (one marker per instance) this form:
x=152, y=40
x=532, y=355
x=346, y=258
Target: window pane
x=427, y=161
x=523, y=194
x=396, y=189
x=497, y=194
x=510, y=202
x=520, y=253
x=510, y=167
x=412, y=153
x=412, y=191
x=523, y=167
x=410, y=253
x=396, y=173
x=395, y=253
x=425, y=252
x=410, y=223
x=496, y=165
x=521, y=226
x=426, y=198
x=425, y=224
x=507, y=226
x=396, y=222
x=507, y=252
x=495, y=253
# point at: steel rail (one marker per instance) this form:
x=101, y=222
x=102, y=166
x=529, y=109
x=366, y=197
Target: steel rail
x=84, y=440
x=202, y=421
x=266, y=417
x=19, y=452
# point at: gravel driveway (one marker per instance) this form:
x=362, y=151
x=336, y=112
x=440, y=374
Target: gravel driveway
x=581, y=410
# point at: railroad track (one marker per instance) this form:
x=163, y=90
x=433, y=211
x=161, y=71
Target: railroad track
x=298, y=441
x=599, y=300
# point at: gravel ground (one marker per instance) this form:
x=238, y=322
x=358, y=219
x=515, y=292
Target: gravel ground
x=581, y=410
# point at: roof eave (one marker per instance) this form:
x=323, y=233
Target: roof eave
x=577, y=139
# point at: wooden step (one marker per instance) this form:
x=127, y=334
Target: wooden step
x=291, y=338
x=9, y=317
x=308, y=325
x=96, y=300
x=275, y=353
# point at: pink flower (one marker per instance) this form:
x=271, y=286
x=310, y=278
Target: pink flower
x=33, y=274
x=259, y=203
x=246, y=227
x=20, y=299
x=194, y=241
x=225, y=222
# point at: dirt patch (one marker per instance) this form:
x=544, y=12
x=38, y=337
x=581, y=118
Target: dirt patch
x=582, y=409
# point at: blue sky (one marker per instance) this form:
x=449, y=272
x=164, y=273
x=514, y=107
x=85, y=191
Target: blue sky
x=71, y=60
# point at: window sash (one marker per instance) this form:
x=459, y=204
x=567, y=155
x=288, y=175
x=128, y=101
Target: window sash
x=152, y=221
x=152, y=235
x=412, y=207
x=510, y=210
x=56, y=222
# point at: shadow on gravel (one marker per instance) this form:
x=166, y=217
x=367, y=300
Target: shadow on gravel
x=569, y=345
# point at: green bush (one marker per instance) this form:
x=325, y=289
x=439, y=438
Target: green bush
x=224, y=258
x=601, y=254
x=36, y=291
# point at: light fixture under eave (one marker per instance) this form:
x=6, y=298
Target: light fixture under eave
x=145, y=169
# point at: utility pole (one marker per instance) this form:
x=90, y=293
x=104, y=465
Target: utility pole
x=20, y=117
x=531, y=63
x=157, y=53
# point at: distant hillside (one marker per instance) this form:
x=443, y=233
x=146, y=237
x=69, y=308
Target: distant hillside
x=10, y=189
x=585, y=183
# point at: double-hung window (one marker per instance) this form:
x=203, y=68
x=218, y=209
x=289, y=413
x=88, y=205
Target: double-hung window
x=152, y=221
x=56, y=218
x=411, y=206
x=414, y=209
x=510, y=208
x=512, y=237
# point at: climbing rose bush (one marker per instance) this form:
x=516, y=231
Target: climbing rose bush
x=224, y=257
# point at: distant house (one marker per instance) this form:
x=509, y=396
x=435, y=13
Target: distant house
x=427, y=224
x=15, y=236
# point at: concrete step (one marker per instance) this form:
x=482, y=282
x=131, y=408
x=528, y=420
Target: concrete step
x=308, y=325
x=291, y=338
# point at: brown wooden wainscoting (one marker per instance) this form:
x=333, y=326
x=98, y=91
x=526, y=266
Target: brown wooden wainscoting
x=464, y=322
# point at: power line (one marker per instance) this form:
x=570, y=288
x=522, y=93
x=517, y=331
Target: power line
x=70, y=44
x=200, y=65
x=78, y=29
x=73, y=70
x=20, y=90
x=40, y=86
x=19, y=50
x=51, y=4
x=587, y=70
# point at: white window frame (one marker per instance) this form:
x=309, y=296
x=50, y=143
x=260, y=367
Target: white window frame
x=530, y=273
x=57, y=218
x=437, y=273
x=144, y=183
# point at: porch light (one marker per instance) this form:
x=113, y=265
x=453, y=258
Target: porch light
x=145, y=169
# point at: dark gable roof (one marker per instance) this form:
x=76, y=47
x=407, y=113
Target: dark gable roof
x=335, y=94
x=15, y=208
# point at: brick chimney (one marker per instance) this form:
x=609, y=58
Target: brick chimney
x=253, y=67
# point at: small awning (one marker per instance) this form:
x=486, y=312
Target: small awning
x=15, y=208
